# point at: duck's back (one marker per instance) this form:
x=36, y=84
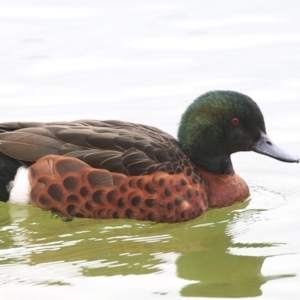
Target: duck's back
x=116, y=146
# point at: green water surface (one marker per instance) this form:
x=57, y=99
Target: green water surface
x=41, y=249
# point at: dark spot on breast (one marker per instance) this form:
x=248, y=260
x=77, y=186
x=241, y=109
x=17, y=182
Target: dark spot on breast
x=178, y=201
x=149, y=202
x=189, y=172
x=196, y=193
x=183, y=182
x=128, y=213
x=167, y=192
x=189, y=193
x=102, y=213
x=161, y=181
x=182, y=215
x=151, y=216
x=140, y=183
x=131, y=183
x=123, y=188
x=71, y=210
x=44, y=201
x=84, y=191
x=88, y=206
x=115, y=215
x=72, y=198
x=111, y=196
x=120, y=203
x=70, y=183
x=55, y=191
x=150, y=189
x=97, y=197
x=169, y=206
x=136, y=200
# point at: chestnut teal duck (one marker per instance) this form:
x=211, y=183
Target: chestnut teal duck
x=115, y=169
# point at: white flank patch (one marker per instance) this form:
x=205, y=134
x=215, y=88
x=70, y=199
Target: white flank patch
x=20, y=187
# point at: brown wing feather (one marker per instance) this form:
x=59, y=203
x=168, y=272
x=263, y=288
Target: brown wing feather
x=117, y=146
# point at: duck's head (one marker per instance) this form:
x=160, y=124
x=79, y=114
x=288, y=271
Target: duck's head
x=220, y=123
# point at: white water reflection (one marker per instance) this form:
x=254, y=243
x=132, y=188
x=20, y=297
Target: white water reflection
x=40, y=280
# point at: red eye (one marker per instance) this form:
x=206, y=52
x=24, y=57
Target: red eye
x=235, y=121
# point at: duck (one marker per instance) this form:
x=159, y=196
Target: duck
x=115, y=169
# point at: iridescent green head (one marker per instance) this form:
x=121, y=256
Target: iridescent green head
x=220, y=123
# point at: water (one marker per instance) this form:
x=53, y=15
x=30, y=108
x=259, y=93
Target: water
x=145, y=61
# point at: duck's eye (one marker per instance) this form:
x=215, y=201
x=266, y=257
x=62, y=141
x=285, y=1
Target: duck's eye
x=235, y=121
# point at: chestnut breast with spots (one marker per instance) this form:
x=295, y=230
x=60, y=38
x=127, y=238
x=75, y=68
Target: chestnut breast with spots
x=72, y=188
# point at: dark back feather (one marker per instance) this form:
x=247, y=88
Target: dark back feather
x=122, y=147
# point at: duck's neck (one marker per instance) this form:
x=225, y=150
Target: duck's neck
x=216, y=165
x=225, y=189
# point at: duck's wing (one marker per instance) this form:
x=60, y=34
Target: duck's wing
x=117, y=146
x=27, y=142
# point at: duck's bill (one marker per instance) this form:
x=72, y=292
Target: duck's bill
x=265, y=146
